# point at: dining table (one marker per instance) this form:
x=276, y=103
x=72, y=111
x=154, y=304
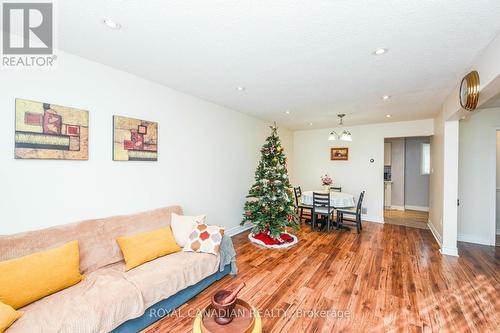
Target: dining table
x=337, y=199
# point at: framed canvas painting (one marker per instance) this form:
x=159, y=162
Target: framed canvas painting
x=49, y=131
x=134, y=139
x=339, y=154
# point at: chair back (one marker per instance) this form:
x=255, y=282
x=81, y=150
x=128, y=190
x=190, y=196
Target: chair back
x=321, y=200
x=336, y=189
x=360, y=202
x=298, y=193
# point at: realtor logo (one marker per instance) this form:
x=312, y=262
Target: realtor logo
x=28, y=29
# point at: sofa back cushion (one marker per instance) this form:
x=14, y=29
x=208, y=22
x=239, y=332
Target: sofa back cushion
x=96, y=238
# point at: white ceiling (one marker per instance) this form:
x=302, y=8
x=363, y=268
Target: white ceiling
x=311, y=57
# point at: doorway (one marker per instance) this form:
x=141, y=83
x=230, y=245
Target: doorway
x=406, y=181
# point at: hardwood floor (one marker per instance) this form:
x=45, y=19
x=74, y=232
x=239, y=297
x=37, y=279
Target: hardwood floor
x=387, y=279
x=409, y=218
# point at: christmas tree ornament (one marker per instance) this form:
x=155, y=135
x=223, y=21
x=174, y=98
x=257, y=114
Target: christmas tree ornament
x=270, y=200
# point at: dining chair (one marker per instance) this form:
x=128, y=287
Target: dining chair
x=356, y=211
x=335, y=189
x=300, y=206
x=321, y=207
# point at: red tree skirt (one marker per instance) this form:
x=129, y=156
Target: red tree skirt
x=286, y=240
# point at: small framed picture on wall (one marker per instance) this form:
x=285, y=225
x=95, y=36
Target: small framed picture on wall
x=339, y=154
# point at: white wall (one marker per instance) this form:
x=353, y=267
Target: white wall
x=436, y=179
x=488, y=66
x=312, y=159
x=477, y=177
x=207, y=153
x=450, y=187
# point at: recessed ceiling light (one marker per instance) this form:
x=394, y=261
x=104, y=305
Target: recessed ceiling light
x=380, y=51
x=310, y=124
x=112, y=24
x=388, y=116
x=287, y=112
x=240, y=88
x=386, y=97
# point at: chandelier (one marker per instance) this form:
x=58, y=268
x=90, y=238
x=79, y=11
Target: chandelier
x=340, y=134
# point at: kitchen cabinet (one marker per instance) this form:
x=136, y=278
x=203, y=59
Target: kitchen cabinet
x=387, y=194
x=387, y=154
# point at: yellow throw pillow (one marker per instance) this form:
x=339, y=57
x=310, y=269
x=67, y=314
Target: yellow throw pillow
x=27, y=279
x=8, y=316
x=147, y=246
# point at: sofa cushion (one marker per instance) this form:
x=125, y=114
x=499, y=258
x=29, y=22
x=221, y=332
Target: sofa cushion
x=114, y=227
x=100, y=303
x=97, y=238
x=87, y=233
x=165, y=276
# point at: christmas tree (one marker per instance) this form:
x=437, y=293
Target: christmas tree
x=270, y=206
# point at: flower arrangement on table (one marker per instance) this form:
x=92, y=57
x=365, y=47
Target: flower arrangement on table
x=326, y=181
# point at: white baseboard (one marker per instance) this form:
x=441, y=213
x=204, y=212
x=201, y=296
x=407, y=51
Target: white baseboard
x=449, y=251
x=402, y=208
x=419, y=208
x=475, y=239
x=372, y=219
x=237, y=230
x=435, y=233
x=241, y=228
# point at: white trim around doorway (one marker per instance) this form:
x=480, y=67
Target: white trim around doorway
x=419, y=208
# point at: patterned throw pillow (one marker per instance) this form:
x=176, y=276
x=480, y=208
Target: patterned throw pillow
x=205, y=238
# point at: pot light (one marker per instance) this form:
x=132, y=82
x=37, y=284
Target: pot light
x=287, y=112
x=240, y=88
x=112, y=24
x=310, y=124
x=386, y=97
x=380, y=51
x=388, y=116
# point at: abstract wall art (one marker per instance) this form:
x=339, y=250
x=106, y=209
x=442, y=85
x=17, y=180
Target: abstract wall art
x=48, y=131
x=134, y=139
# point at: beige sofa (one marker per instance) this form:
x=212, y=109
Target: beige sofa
x=108, y=296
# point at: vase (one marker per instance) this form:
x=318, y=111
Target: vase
x=326, y=188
